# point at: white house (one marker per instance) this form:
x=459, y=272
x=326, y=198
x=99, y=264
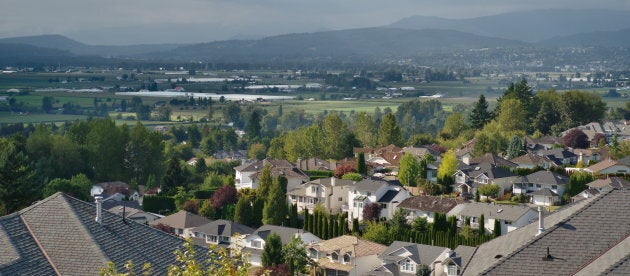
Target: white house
x=248, y=174
x=545, y=187
x=331, y=193
x=404, y=258
x=511, y=217
x=388, y=194
x=254, y=243
x=469, y=178
x=346, y=255
x=221, y=232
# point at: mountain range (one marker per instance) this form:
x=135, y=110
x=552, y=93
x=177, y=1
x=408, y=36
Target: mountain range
x=404, y=38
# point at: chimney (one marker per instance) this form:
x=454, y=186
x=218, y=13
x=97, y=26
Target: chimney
x=541, y=223
x=99, y=208
x=332, y=181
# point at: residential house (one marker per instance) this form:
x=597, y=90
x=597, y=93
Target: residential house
x=182, y=223
x=387, y=157
x=588, y=156
x=511, y=217
x=421, y=152
x=248, y=174
x=388, y=194
x=220, y=232
x=405, y=258
x=426, y=206
x=331, y=193
x=346, y=255
x=542, y=143
x=608, y=167
x=492, y=159
x=530, y=161
x=469, y=178
x=130, y=210
x=254, y=243
x=561, y=157
x=588, y=193
x=62, y=235
x=374, y=152
x=453, y=262
x=545, y=187
x=315, y=163
x=585, y=238
x=115, y=190
x=608, y=184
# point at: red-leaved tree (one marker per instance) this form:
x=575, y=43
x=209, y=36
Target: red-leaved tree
x=372, y=212
x=341, y=170
x=225, y=195
x=576, y=139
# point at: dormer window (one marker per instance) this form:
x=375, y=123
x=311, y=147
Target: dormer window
x=452, y=270
x=312, y=253
x=346, y=258
x=256, y=244
x=407, y=265
x=334, y=256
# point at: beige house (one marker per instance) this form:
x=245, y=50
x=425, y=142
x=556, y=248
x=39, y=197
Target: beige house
x=182, y=223
x=346, y=255
x=330, y=192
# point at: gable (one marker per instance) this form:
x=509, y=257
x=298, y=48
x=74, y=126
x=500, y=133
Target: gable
x=402, y=252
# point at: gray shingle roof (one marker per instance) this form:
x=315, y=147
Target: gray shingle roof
x=372, y=184
x=388, y=196
x=182, y=220
x=582, y=237
x=420, y=253
x=224, y=228
x=495, y=211
x=493, y=159
x=544, y=192
x=63, y=228
x=285, y=233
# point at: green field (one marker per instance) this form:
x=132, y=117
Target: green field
x=7, y=117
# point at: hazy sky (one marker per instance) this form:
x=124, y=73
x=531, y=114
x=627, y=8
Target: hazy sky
x=28, y=17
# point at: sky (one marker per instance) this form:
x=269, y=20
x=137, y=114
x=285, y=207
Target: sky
x=98, y=21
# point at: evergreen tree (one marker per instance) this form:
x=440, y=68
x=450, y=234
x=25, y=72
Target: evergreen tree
x=200, y=166
x=293, y=216
x=482, y=226
x=355, y=226
x=265, y=182
x=17, y=186
x=272, y=252
x=480, y=114
x=409, y=170
x=497, y=228
x=515, y=147
x=361, y=166
x=295, y=256
x=306, y=220
x=173, y=177
x=253, y=126
x=276, y=208
x=257, y=211
x=244, y=213
x=389, y=132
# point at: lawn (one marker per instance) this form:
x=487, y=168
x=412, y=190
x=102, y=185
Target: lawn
x=7, y=117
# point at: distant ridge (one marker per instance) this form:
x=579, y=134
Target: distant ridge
x=619, y=38
x=528, y=26
x=354, y=43
x=60, y=42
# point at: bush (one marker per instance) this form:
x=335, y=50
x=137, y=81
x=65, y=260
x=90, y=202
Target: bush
x=158, y=204
x=489, y=190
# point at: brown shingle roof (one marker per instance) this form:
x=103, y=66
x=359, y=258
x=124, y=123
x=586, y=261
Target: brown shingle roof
x=355, y=246
x=182, y=220
x=602, y=165
x=430, y=204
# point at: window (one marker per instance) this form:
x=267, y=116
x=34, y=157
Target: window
x=300, y=199
x=340, y=199
x=257, y=244
x=346, y=258
x=224, y=239
x=554, y=187
x=406, y=265
x=530, y=185
x=360, y=205
x=334, y=256
x=538, y=186
x=452, y=270
x=507, y=222
x=212, y=239
x=313, y=189
x=312, y=253
x=369, y=194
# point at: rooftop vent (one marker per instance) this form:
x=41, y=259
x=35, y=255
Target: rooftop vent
x=500, y=210
x=99, y=208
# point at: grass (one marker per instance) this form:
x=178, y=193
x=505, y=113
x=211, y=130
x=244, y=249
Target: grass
x=7, y=117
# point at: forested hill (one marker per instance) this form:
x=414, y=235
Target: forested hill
x=529, y=26
x=619, y=38
x=355, y=43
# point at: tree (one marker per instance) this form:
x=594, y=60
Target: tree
x=377, y=232
x=409, y=170
x=365, y=129
x=497, y=228
x=420, y=224
x=173, y=177
x=352, y=176
x=254, y=128
x=336, y=135
x=372, y=212
x=17, y=186
x=489, y=190
x=265, y=182
x=515, y=147
x=257, y=151
x=389, y=131
x=276, y=209
x=423, y=270
x=512, y=116
x=361, y=166
x=576, y=138
x=206, y=209
x=577, y=182
x=47, y=104
x=223, y=196
x=480, y=114
x=344, y=169
x=482, y=227
x=79, y=186
x=293, y=216
x=145, y=154
x=454, y=125
x=398, y=224
x=244, y=212
x=447, y=168
x=272, y=251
